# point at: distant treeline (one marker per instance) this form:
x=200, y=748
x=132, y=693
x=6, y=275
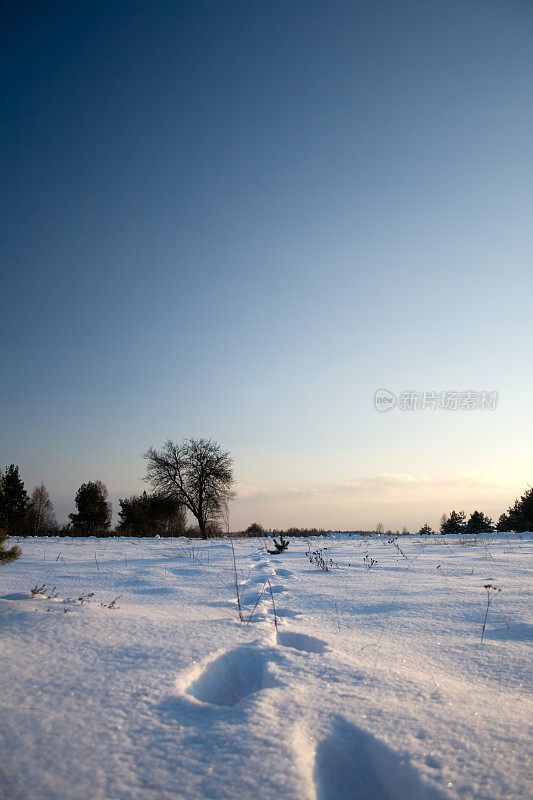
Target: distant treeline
x=157, y=514
x=257, y=530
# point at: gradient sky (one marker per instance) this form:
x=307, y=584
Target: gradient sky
x=239, y=219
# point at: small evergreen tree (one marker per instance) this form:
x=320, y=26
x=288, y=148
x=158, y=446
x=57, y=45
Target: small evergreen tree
x=280, y=546
x=7, y=555
x=13, y=501
x=455, y=523
x=94, y=512
x=479, y=523
x=425, y=530
x=519, y=517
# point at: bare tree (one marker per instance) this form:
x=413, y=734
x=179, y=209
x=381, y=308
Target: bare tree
x=197, y=473
x=41, y=518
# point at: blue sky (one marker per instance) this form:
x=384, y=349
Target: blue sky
x=240, y=219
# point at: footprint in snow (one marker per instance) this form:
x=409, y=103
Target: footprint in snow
x=260, y=614
x=301, y=641
x=261, y=578
x=284, y=612
x=251, y=597
x=186, y=571
x=17, y=596
x=351, y=764
x=231, y=677
x=284, y=573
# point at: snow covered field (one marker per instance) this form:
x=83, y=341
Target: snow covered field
x=374, y=685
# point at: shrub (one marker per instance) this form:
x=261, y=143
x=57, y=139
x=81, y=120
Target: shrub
x=255, y=529
x=304, y=532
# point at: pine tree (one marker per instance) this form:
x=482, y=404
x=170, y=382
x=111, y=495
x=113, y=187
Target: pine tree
x=14, y=501
x=503, y=523
x=425, y=530
x=519, y=517
x=151, y=515
x=455, y=523
x=94, y=512
x=11, y=554
x=479, y=523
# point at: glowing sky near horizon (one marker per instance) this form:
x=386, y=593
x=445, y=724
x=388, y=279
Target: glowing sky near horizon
x=239, y=220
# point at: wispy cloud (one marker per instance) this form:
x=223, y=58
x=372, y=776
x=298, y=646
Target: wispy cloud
x=385, y=483
x=359, y=501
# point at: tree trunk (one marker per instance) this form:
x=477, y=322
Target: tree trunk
x=202, y=526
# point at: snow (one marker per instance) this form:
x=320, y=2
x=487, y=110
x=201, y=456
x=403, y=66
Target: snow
x=373, y=684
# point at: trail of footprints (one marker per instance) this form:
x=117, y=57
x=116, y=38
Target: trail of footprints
x=349, y=763
x=231, y=677
x=261, y=572
x=234, y=675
